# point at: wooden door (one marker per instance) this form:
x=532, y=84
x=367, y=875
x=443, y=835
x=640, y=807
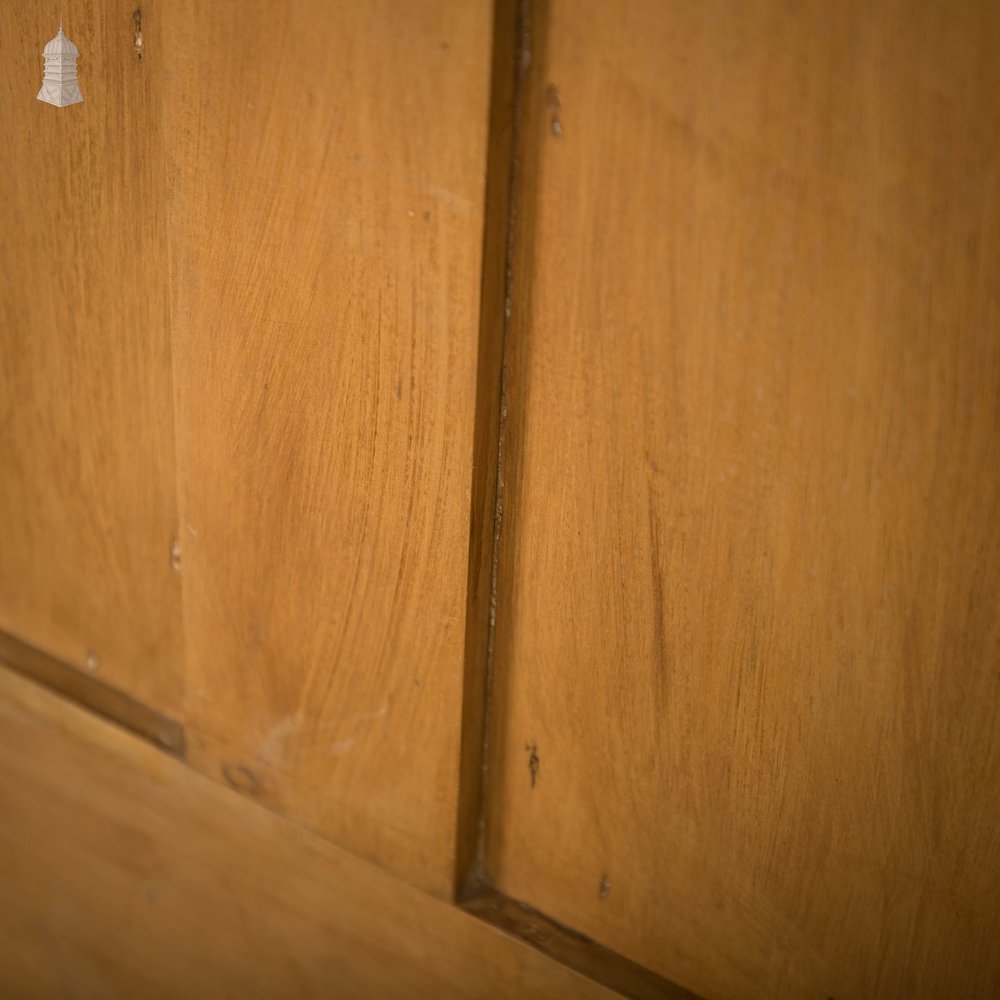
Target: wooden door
x=533, y=462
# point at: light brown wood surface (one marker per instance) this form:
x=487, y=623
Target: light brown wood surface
x=123, y=873
x=87, y=490
x=326, y=168
x=748, y=619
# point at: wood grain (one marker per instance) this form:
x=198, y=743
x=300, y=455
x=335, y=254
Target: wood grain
x=327, y=168
x=123, y=873
x=87, y=488
x=745, y=724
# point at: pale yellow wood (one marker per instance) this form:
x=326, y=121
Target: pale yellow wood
x=327, y=165
x=748, y=627
x=125, y=874
x=87, y=490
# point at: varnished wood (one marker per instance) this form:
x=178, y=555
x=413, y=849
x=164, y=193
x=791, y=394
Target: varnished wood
x=88, y=691
x=124, y=873
x=571, y=948
x=87, y=490
x=748, y=626
x=327, y=167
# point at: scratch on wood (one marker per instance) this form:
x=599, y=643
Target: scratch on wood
x=533, y=761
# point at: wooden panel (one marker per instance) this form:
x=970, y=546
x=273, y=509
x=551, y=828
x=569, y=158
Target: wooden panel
x=748, y=623
x=123, y=873
x=327, y=172
x=87, y=492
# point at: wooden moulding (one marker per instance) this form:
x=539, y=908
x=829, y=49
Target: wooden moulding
x=571, y=949
x=505, y=88
x=92, y=693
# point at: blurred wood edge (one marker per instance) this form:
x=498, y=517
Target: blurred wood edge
x=124, y=871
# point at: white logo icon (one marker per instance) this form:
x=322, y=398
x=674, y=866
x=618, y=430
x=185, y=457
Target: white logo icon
x=59, y=86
